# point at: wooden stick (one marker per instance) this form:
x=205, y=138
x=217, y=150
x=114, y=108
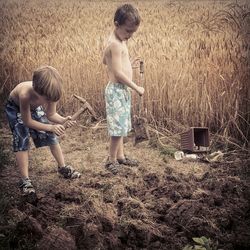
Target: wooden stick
x=76, y=115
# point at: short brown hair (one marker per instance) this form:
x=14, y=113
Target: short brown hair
x=127, y=12
x=48, y=82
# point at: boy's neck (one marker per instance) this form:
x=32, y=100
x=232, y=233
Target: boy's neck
x=117, y=37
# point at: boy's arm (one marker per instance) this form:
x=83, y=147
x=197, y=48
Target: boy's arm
x=116, y=54
x=134, y=62
x=24, y=104
x=53, y=116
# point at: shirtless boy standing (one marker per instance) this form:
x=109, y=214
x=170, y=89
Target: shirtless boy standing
x=117, y=92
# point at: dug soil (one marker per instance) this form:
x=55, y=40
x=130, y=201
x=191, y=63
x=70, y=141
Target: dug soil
x=161, y=204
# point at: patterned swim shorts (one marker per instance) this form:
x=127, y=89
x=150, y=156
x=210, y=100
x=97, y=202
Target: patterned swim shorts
x=118, y=109
x=21, y=133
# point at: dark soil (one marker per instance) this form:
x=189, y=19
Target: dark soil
x=155, y=206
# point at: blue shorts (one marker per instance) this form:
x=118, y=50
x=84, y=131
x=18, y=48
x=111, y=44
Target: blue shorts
x=21, y=133
x=118, y=109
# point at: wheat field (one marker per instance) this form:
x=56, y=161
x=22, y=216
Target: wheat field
x=196, y=55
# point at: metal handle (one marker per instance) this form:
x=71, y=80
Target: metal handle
x=141, y=67
x=140, y=98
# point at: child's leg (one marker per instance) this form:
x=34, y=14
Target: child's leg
x=22, y=158
x=122, y=159
x=120, y=152
x=115, y=143
x=57, y=153
x=66, y=171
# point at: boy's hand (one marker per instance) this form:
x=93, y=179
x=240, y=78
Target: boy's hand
x=140, y=90
x=58, y=129
x=135, y=63
x=69, y=122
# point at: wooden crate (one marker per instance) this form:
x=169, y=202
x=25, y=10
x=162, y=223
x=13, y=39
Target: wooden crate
x=195, y=140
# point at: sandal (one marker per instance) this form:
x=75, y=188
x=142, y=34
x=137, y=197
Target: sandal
x=113, y=167
x=127, y=161
x=68, y=172
x=26, y=186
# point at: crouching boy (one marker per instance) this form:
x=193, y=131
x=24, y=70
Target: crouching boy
x=30, y=109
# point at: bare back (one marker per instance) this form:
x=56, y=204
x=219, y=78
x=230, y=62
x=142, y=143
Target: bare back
x=24, y=90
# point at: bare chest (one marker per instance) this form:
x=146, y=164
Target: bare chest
x=36, y=102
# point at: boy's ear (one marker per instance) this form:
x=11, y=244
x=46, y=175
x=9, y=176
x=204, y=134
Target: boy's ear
x=116, y=23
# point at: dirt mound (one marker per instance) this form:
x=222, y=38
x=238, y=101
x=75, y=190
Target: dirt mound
x=158, y=205
x=56, y=238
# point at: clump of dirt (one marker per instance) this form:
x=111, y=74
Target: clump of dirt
x=158, y=205
x=26, y=233
x=56, y=238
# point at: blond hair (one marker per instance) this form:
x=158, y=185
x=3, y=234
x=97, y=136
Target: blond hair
x=48, y=82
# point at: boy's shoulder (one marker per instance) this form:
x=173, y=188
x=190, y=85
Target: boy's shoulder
x=115, y=46
x=113, y=42
x=112, y=47
x=25, y=86
x=22, y=90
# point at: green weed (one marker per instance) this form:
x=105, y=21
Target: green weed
x=202, y=243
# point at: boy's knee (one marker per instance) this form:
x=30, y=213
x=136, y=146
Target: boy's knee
x=54, y=146
x=116, y=138
x=45, y=139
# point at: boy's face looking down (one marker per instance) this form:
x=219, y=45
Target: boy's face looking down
x=126, y=30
